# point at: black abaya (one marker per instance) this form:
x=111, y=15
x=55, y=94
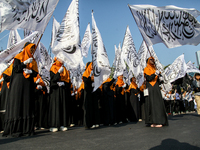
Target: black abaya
x=19, y=116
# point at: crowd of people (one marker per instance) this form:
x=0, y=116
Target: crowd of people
x=26, y=106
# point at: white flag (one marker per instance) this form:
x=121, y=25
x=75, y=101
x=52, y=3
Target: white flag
x=67, y=42
x=55, y=28
x=44, y=62
x=35, y=17
x=19, y=4
x=101, y=66
x=119, y=67
x=86, y=42
x=27, y=33
x=13, y=38
x=176, y=70
x=7, y=55
x=191, y=68
x=171, y=25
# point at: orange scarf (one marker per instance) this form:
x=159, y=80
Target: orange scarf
x=119, y=82
x=24, y=55
x=88, y=71
x=81, y=87
x=64, y=75
x=8, y=72
x=149, y=70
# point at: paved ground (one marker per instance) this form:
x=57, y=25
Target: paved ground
x=183, y=133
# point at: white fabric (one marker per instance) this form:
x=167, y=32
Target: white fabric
x=86, y=42
x=44, y=62
x=55, y=28
x=39, y=87
x=192, y=68
x=118, y=65
x=35, y=17
x=176, y=70
x=67, y=43
x=101, y=66
x=27, y=33
x=61, y=69
x=38, y=80
x=171, y=25
x=7, y=55
x=13, y=38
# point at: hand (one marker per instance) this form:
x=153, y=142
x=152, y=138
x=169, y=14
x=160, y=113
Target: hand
x=28, y=61
x=61, y=69
x=124, y=86
x=39, y=87
x=72, y=94
x=27, y=71
x=1, y=80
x=92, y=84
x=38, y=80
x=60, y=83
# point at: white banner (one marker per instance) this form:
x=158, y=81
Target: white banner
x=27, y=33
x=86, y=42
x=55, y=28
x=67, y=42
x=19, y=4
x=44, y=62
x=119, y=67
x=13, y=38
x=191, y=68
x=7, y=55
x=176, y=70
x=35, y=17
x=171, y=25
x=101, y=66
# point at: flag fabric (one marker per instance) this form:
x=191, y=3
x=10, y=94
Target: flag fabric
x=55, y=28
x=44, y=62
x=67, y=43
x=176, y=70
x=129, y=53
x=86, y=42
x=191, y=68
x=27, y=33
x=171, y=25
x=13, y=38
x=35, y=17
x=19, y=4
x=7, y=55
x=119, y=67
x=101, y=66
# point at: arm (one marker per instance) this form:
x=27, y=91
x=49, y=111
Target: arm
x=18, y=66
x=54, y=78
x=150, y=78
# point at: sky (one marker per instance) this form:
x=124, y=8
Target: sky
x=112, y=18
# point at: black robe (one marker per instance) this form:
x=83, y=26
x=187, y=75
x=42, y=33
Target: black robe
x=155, y=112
x=59, y=102
x=19, y=116
x=3, y=100
x=88, y=102
x=133, y=108
x=41, y=108
x=108, y=103
x=120, y=105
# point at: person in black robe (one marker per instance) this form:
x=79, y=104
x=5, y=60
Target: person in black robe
x=133, y=109
x=142, y=103
x=88, y=79
x=4, y=94
x=60, y=95
x=41, y=103
x=154, y=105
x=120, y=100
x=108, y=102
x=19, y=116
